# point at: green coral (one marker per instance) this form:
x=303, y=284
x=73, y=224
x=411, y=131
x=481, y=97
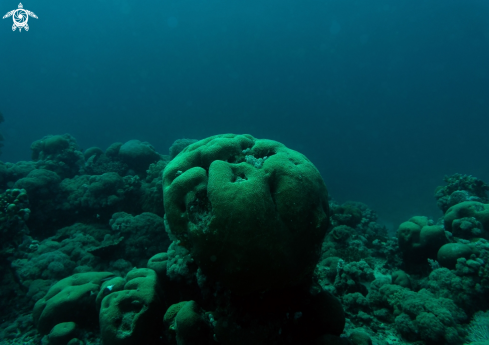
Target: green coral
x=133, y=315
x=479, y=328
x=468, y=283
x=143, y=234
x=58, y=153
x=178, y=146
x=75, y=293
x=461, y=188
x=458, y=219
x=251, y=228
x=98, y=162
x=14, y=212
x=449, y=254
x=419, y=239
x=62, y=333
x=352, y=254
x=172, y=311
x=346, y=214
x=151, y=195
x=419, y=315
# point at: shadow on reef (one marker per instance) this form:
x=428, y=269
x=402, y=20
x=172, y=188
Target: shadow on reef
x=227, y=240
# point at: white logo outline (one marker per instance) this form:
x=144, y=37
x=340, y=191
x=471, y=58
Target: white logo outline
x=20, y=18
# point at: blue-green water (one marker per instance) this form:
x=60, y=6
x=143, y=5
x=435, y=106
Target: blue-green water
x=385, y=97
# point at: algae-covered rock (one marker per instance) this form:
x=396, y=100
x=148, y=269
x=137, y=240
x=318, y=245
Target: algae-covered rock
x=252, y=212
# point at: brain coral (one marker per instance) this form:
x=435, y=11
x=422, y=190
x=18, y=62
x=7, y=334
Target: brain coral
x=252, y=212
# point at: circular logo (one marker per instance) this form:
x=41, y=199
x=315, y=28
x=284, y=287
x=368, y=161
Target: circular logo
x=20, y=17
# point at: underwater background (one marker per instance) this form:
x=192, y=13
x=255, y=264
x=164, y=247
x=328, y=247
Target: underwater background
x=384, y=97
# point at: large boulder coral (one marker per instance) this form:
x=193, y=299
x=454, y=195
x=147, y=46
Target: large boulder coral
x=58, y=153
x=39, y=184
x=252, y=212
x=138, y=155
x=70, y=299
x=468, y=209
x=98, y=162
x=451, y=252
x=12, y=172
x=419, y=239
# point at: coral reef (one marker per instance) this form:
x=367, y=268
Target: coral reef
x=229, y=240
x=460, y=188
x=468, y=219
x=14, y=212
x=58, y=153
x=420, y=239
x=178, y=146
